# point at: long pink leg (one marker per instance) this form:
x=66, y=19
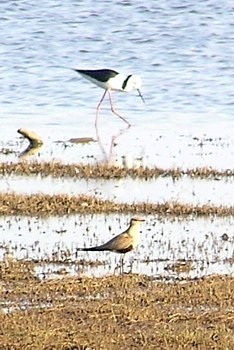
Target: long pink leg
x=113, y=110
x=98, y=107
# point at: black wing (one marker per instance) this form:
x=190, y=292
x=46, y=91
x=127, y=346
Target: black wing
x=102, y=75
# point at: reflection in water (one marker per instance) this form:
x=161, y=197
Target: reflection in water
x=35, y=143
x=108, y=156
x=30, y=151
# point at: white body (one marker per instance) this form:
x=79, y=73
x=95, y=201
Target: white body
x=116, y=83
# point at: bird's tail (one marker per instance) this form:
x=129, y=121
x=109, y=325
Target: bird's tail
x=91, y=249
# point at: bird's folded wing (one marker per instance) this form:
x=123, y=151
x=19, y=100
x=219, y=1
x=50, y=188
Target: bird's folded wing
x=119, y=243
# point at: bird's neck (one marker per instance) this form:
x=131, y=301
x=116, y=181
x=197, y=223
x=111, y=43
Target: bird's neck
x=134, y=234
x=133, y=229
x=116, y=83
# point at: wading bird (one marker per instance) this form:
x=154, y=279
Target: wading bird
x=109, y=79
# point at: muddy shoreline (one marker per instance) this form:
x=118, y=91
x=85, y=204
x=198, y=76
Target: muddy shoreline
x=114, y=312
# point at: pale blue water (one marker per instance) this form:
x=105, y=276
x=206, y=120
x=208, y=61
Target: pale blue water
x=183, y=52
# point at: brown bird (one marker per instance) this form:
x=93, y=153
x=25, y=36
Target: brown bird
x=122, y=243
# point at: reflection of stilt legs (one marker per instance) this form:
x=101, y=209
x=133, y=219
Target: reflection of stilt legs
x=108, y=157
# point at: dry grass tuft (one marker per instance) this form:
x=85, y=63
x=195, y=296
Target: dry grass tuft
x=105, y=171
x=63, y=204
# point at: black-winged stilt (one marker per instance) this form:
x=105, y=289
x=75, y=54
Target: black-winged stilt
x=111, y=80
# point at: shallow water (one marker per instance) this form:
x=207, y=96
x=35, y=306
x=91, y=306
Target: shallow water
x=160, y=190
x=139, y=146
x=184, y=55
x=53, y=243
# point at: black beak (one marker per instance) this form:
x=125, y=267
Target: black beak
x=141, y=95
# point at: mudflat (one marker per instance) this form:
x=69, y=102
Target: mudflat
x=114, y=312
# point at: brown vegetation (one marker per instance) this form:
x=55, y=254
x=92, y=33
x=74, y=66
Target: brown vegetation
x=115, y=312
x=63, y=204
x=105, y=171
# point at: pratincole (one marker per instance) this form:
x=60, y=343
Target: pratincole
x=123, y=242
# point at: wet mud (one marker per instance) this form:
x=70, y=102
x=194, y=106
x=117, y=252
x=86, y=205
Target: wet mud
x=114, y=312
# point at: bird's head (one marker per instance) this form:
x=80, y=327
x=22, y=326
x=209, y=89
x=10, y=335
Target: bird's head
x=133, y=82
x=136, y=221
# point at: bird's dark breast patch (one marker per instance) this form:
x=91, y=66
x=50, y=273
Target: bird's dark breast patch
x=102, y=75
x=125, y=250
x=126, y=81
